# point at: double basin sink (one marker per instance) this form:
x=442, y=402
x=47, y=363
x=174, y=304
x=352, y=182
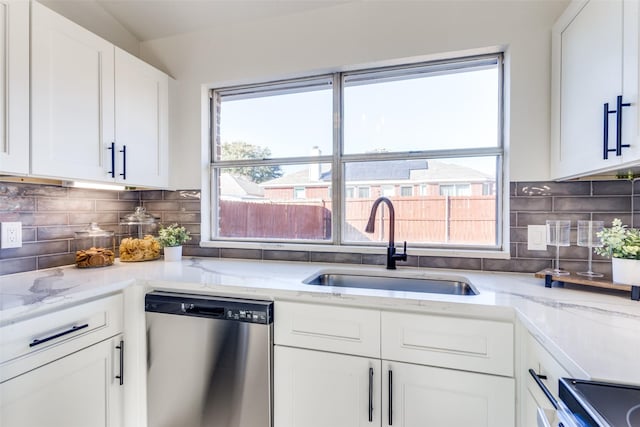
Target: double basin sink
x=424, y=284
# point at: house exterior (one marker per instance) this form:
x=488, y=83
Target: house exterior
x=366, y=180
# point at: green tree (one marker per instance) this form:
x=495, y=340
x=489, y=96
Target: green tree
x=240, y=150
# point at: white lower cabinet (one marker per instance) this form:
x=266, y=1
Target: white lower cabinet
x=79, y=390
x=64, y=368
x=329, y=373
x=418, y=396
x=321, y=389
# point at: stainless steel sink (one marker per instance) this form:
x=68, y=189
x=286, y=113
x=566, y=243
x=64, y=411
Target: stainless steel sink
x=432, y=285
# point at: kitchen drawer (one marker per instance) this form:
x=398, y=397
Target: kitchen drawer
x=465, y=344
x=31, y=343
x=328, y=328
x=543, y=363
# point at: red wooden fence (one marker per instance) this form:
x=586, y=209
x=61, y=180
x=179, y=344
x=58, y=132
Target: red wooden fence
x=274, y=220
x=427, y=219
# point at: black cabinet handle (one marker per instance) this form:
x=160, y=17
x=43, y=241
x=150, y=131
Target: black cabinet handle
x=390, y=397
x=121, y=348
x=39, y=341
x=370, y=394
x=124, y=162
x=619, y=144
x=112, y=172
x=605, y=127
x=538, y=379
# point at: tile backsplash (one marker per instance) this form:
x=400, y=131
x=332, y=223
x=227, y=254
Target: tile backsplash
x=50, y=215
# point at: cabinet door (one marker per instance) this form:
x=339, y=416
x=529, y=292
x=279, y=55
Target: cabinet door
x=318, y=389
x=631, y=82
x=588, y=61
x=72, y=99
x=14, y=87
x=78, y=390
x=141, y=122
x=426, y=396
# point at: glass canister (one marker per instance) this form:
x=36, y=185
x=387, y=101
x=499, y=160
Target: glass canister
x=137, y=236
x=95, y=247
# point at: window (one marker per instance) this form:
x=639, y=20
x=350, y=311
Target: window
x=455, y=190
x=406, y=191
x=298, y=193
x=364, y=192
x=387, y=190
x=349, y=191
x=427, y=136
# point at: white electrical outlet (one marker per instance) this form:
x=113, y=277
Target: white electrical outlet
x=537, y=237
x=11, y=235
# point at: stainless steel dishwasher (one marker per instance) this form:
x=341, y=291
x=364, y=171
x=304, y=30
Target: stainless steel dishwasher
x=209, y=361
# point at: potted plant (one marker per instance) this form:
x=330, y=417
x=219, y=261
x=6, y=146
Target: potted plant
x=622, y=245
x=171, y=239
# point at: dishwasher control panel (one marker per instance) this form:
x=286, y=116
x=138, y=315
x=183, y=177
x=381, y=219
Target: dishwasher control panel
x=222, y=308
x=253, y=316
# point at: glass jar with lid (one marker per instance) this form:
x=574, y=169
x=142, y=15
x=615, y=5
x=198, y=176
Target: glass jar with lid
x=95, y=247
x=138, y=231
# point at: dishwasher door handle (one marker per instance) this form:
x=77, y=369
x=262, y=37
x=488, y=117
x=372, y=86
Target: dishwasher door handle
x=213, y=312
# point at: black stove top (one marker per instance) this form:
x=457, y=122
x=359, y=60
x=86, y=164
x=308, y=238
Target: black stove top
x=599, y=404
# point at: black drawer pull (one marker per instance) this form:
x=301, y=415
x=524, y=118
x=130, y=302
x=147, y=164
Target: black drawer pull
x=124, y=162
x=370, y=395
x=390, y=397
x=121, y=375
x=605, y=129
x=619, y=144
x=58, y=335
x=112, y=172
x=538, y=379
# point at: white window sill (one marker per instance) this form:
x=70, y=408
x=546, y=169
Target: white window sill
x=458, y=253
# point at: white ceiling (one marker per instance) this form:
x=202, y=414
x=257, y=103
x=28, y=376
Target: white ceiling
x=152, y=19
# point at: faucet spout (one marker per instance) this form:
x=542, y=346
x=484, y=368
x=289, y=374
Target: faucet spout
x=392, y=256
x=370, y=228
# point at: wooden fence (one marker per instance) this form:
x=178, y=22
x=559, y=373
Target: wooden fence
x=274, y=220
x=424, y=219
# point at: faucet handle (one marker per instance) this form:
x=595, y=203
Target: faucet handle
x=403, y=255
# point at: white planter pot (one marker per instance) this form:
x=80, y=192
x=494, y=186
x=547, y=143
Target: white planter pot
x=173, y=253
x=626, y=271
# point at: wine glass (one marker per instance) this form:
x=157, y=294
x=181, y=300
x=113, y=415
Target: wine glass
x=558, y=232
x=588, y=237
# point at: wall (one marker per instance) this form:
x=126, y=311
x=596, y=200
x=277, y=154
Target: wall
x=51, y=214
x=93, y=17
x=357, y=33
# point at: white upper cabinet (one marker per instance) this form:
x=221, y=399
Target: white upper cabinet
x=141, y=122
x=98, y=113
x=72, y=108
x=14, y=87
x=595, y=88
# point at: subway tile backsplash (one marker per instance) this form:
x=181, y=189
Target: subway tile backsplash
x=50, y=215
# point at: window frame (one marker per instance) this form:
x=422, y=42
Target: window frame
x=338, y=160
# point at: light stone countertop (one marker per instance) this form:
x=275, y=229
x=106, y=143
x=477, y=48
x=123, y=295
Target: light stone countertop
x=595, y=335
